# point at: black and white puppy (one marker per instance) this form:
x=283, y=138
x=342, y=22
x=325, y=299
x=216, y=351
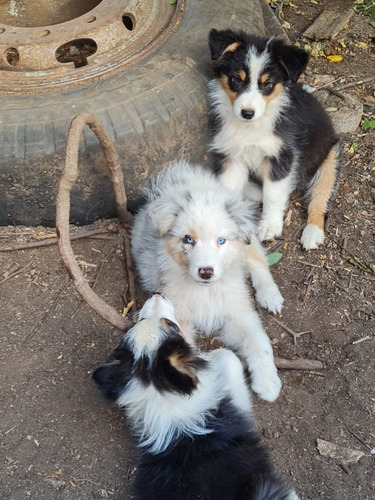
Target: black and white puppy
x=271, y=137
x=191, y=413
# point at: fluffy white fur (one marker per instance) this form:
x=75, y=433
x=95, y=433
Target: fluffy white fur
x=186, y=200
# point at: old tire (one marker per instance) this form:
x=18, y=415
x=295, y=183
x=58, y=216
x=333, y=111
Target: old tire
x=155, y=111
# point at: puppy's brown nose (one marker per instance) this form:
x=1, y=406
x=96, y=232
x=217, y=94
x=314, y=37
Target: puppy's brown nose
x=206, y=273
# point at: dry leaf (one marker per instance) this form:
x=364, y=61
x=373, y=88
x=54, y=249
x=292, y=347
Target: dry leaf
x=331, y=450
x=334, y=58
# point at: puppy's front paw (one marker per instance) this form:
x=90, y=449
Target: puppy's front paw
x=270, y=227
x=269, y=297
x=266, y=383
x=312, y=237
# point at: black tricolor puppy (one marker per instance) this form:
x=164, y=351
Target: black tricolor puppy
x=271, y=137
x=191, y=412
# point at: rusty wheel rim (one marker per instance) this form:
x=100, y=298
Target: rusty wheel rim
x=112, y=35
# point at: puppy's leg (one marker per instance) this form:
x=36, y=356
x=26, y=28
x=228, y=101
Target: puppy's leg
x=266, y=290
x=275, y=199
x=234, y=175
x=253, y=192
x=243, y=332
x=320, y=193
x=230, y=372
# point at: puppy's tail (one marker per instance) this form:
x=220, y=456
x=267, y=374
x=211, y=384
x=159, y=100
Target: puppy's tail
x=323, y=187
x=273, y=489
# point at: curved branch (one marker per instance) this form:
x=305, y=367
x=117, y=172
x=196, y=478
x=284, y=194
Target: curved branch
x=68, y=178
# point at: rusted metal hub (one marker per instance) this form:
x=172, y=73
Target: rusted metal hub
x=46, y=44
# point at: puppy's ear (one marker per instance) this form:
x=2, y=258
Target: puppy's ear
x=244, y=215
x=113, y=376
x=176, y=366
x=293, y=59
x=163, y=213
x=223, y=42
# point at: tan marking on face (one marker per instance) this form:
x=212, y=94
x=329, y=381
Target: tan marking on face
x=321, y=191
x=231, y=48
x=193, y=234
x=174, y=248
x=264, y=78
x=242, y=74
x=164, y=322
x=182, y=364
x=224, y=82
x=278, y=88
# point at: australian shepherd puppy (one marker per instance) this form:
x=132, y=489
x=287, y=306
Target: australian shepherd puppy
x=191, y=413
x=271, y=137
x=194, y=241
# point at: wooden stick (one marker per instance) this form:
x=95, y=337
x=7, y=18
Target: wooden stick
x=354, y=84
x=53, y=240
x=298, y=364
x=17, y=272
x=68, y=178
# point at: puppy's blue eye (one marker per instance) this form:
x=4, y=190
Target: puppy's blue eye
x=221, y=241
x=189, y=240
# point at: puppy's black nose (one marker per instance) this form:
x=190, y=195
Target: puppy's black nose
x=247, y=114
x=206, y=273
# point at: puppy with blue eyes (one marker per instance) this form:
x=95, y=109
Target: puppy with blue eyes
x=191, y=412
x=271, y=137
x=195, y=242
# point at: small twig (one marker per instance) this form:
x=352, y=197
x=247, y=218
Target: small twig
x=83, y=480
x=93, y=285
x=17, y=272
x=345, y=468
x=359, y=341
x=50, y=308
x=308, y=288
x=53, y=240
x=298, y=364
x=129, y=269
x=328, y=83
x=359, y=439
x=308, y=264
x=295, y=335
x=354, y=84
x=10, y=430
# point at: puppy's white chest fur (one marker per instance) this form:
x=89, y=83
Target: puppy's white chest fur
x=247, y=143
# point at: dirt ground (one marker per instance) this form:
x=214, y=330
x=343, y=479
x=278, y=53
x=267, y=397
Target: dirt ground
x=59, y=438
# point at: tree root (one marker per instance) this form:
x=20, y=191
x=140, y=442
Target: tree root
x=68, y=178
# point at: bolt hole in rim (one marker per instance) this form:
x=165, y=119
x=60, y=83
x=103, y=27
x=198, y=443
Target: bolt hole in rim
x=12, y=56
x=107, y=36
x=76, y=51
x=128, y=21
